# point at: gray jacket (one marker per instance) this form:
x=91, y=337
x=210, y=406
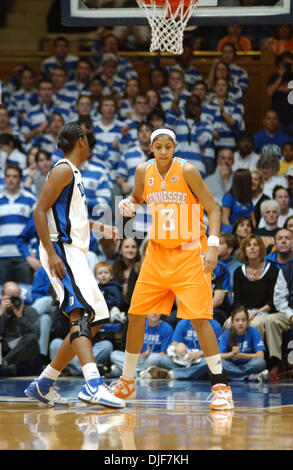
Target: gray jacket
x=12, y=327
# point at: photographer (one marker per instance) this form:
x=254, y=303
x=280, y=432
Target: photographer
x=19, y=330
x=278, y=90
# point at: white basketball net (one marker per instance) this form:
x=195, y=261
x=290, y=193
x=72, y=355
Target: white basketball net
x=167, y=26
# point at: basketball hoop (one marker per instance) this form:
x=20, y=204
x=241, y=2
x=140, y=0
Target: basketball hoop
x=167, y=19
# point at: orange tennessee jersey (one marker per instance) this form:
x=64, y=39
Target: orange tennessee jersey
x=177, y=215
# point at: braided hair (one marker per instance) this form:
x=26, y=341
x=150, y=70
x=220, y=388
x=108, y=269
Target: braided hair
x=68, y=136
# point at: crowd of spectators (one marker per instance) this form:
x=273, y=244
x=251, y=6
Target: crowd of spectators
x=250, y=176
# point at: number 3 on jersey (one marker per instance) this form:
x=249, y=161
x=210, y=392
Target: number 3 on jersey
x=169, y=220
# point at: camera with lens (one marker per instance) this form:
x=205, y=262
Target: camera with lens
x=15, y=300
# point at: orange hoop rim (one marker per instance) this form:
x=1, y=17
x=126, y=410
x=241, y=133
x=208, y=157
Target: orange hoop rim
x=173, y=3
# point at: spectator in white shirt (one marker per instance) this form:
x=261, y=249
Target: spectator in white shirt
x=269, y=166
x=245, y=157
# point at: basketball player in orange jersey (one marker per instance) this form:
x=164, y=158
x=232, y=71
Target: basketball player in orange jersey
x=179, y=259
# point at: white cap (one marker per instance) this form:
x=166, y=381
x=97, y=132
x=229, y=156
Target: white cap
x=162, y=131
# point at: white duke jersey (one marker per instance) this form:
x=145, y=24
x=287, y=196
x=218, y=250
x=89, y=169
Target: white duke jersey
x=68, y=217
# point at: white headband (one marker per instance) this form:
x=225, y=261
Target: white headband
x=163, y=131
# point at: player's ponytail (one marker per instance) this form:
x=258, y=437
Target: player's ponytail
x=68, y=136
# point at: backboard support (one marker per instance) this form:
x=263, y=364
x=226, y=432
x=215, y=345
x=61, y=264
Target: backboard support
x=209, y=13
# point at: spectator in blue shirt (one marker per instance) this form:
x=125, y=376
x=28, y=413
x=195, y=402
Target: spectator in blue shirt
x=59, y=79
x=226, y=117
x=16, y=207
x=174, y=95
x=184, y=63
x=184, y=359
x=48, y=140
x=61, y=57
x=80, y=85
x=36, y=119
x=270, y=139
x=109, y=43
x=43, y=303
x=227, y=248
x=283, y=253
x=242, y=349
x=112, y=83
x=238, y=201
x=157, y=338
x=239, y=75
x=10, y=146
x=221, y=70
x=194, y=136
x=24, y=98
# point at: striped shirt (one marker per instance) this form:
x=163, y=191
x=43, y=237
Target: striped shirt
x=191, y=75
x=226, y=133
x=167, y=98
x=41, y=113
x=194, y=140
x=75, y=89
x=118, y=85
x=124, y=66
x=4, y=94
x=45, y=142
x=128, y=163
x=65, y=98
x=49, y=64
x=110, y=135
x=240, y=77
x=15, y=212
x=97, y=186
x=20, y=103
x=16, y=158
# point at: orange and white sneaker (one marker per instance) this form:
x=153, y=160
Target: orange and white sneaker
x=221, y=397
x=123, y=388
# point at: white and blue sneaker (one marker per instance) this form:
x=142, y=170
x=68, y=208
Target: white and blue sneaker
x=96, y=392
x=42, y=390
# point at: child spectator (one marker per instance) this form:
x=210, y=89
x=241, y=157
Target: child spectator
x=184, y=359
x=242, y=349
x=286, y=159
x=157, y=338
x=228, y=245
x=111, y=289
x=128, y=254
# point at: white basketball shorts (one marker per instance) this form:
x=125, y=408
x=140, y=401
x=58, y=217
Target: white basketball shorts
x=78, y=288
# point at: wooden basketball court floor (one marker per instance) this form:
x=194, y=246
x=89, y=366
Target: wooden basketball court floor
x=166, y=415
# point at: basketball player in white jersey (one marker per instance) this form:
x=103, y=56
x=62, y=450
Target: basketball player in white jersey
x=63, y=227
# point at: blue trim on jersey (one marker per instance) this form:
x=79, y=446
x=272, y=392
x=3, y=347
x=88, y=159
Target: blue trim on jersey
x=181, y=160
x=73, y=298
x=60, y=211
x=150, y=162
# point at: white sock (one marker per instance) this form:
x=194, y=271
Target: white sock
x=215, y=364
x=50, y=373
x=90, y=371
x=130, y=362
